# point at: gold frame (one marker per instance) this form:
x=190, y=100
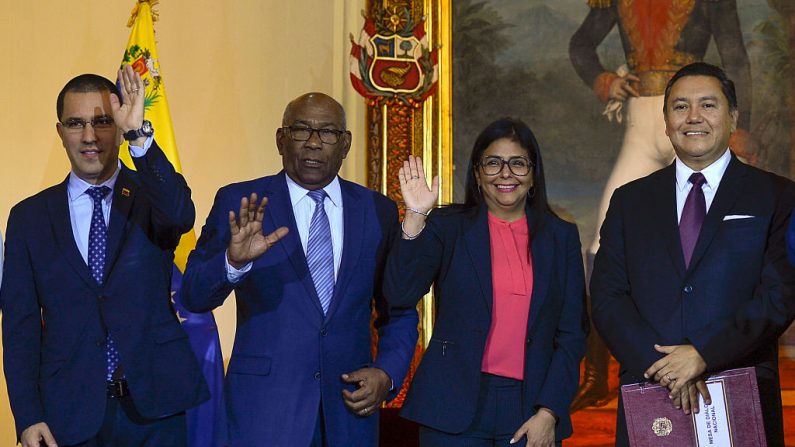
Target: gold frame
x=395, y=130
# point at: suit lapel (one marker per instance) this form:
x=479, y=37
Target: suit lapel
x=124, y=192
x=543, y=253
x=665, y=216
x=280, y=214
x=727, y=193
x=353, y=225
x=61, y=223
x=478, y=244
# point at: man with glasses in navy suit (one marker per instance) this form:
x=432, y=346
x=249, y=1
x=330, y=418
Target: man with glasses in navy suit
x=93, y=352
x=306, y=276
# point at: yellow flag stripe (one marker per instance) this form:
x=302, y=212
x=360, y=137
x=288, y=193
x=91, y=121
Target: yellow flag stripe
x=141, y=53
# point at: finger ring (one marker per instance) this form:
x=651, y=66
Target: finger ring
x=135, y=90
x=415, y=176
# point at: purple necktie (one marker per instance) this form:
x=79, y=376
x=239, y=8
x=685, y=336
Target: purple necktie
x=692, y=216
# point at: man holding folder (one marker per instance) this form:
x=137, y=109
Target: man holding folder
x=692, y=274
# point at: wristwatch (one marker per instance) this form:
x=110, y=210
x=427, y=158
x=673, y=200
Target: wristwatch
x=146, y=130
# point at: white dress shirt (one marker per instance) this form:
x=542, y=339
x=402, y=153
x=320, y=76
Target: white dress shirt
x=712, y=173
x=303, y=209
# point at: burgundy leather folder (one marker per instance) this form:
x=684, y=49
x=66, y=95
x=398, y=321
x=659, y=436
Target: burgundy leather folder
x=733, y=420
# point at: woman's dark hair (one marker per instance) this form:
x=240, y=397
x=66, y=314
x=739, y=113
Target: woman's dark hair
x=514, y=130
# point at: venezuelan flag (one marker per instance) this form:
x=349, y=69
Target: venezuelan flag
x=206, y=423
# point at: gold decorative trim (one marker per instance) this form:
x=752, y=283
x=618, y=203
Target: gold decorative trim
x=600, y=4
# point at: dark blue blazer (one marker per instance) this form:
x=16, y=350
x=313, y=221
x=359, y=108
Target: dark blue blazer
x=54, y=313
x=288, y=357
x=732, y=303
x=454, y=252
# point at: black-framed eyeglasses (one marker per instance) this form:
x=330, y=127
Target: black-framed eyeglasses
x=303, y=133
x=493, y=165
x=103, y=122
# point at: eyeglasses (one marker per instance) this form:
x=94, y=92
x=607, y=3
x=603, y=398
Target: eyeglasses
x=300, y=133
x=103, y=122
x=517, y=165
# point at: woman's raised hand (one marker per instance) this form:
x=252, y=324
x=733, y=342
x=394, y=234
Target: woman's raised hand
x=414, y=187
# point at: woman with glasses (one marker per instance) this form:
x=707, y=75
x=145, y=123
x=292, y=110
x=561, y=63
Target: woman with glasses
x=502, y=365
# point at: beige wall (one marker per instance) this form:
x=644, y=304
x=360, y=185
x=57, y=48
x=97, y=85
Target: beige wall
x=229, y=68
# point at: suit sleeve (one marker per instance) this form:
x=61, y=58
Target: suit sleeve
x=583, y=44
x=397, y=327
x=563, y=376
x=22, y=326
x=769, y=313
x=629, y=336
x=413, y=265
x=205, y=285
x=173, y=212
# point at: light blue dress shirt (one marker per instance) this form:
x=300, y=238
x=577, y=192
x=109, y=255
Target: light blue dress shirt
x=81, y=206
x=303, y=209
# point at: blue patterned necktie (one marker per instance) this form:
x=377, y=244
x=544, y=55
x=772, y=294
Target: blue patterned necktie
x=693, y=214
x=97, y=246
x=320, y=252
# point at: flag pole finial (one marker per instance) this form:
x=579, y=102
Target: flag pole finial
x=134, y=13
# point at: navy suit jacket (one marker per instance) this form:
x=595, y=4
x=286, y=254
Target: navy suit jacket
x=731, y=304
x=288, y=357
x=454, y=252
x=55, y=314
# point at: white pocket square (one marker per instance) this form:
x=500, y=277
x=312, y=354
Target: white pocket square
x=737, y=216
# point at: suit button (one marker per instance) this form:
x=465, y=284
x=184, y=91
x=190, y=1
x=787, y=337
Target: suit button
x=529, y=341
x=317, y=375
x=100, y=343
x=323, y=332
x=688, y=288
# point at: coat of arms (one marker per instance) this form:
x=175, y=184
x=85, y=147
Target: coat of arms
x=392, y=58
x=145, y=65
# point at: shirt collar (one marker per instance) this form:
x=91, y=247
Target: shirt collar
x=77, y=186
x=712, y=173
x=298, y=192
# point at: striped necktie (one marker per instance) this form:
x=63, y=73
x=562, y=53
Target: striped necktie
x=320, y=252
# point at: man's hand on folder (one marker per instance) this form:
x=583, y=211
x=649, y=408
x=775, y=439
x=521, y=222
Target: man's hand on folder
x=688, y=398
x=680, y=371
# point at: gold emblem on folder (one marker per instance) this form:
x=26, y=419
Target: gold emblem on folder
x=662, y=427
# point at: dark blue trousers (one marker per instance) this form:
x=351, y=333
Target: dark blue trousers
x=498, y=416
x=123, y=426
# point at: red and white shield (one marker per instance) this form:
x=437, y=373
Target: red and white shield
x=395, y=67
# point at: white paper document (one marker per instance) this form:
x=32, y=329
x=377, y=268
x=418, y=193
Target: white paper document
x=712, y=421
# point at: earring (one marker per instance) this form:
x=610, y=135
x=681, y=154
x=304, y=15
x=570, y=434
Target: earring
x=531, y=192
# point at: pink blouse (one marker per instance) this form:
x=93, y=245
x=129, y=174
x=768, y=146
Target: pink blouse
x=512, y=281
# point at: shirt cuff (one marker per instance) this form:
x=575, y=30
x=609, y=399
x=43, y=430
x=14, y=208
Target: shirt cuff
x=138, y=152
x=234, y=275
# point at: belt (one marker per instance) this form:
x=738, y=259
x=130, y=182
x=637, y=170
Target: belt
x=118, y=388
